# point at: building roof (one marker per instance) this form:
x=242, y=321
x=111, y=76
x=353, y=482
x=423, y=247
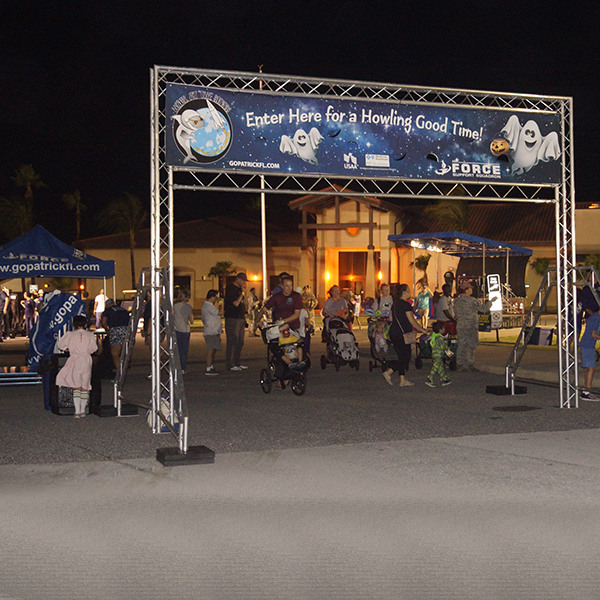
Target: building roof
x=521, y=223
x=221, y=231
x=316, y=203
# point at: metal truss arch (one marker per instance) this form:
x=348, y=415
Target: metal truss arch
x=166, y=180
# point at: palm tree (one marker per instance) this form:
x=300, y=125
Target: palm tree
x=421, y=262
x=454, y=214
x=17, y=211
x=26, y=177
x=221, y=270
x=73, y=202
x=17, y=216
x=125, y=215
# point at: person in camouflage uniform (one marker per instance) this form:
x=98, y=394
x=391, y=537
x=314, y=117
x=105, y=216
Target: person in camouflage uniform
x=466, y=313
x=309, y=303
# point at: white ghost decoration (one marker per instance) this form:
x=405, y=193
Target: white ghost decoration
x=528, y=146
x=303, y=145
x=189, y=122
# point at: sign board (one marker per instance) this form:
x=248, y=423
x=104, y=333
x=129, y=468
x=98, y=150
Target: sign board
x=230, y=130
x=494, y=289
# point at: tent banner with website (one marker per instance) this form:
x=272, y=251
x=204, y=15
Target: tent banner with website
x=54, y=320
x=267, y=132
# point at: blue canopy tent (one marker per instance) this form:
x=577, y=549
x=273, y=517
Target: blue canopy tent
x=473, y=251
x=38, y=253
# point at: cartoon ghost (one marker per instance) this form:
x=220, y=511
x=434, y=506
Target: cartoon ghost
x=189, y=122
x=528, y=146
x=303, y=145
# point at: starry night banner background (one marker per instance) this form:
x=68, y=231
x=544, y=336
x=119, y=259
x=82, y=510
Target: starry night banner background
x=264, y=132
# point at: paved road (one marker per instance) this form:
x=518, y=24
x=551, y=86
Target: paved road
x=355, y=490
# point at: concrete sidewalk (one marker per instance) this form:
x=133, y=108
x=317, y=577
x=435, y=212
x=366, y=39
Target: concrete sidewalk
x=354, y=490
x=501, y=516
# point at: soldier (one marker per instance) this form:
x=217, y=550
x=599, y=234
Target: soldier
x=309, y=302
x=466, y=309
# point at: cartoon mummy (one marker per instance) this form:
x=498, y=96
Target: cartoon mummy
x=189, y=122
x=528, y=146
x=303, y=145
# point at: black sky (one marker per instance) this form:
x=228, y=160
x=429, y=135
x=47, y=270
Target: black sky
x=75, y=75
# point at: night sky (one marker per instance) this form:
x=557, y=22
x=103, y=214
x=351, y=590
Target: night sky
x=75, y=75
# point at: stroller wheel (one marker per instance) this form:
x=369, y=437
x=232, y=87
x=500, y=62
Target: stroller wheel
x=337, y=363
x=371, y=366
x=356, y=365
x=418, y=363
x=299, y=385
x=323, y=361
x=266, y=382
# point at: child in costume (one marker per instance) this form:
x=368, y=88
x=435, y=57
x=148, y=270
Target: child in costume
x=438, y=351
x=77, y=371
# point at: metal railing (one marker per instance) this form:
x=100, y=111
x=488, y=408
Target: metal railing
x=170, y=377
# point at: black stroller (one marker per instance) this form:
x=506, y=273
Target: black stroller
x=380, y=358
x=341, y=347
x=423, y=351
x=277, y=368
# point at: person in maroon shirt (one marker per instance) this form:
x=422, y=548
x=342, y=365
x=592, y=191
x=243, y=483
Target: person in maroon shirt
x=286, y=305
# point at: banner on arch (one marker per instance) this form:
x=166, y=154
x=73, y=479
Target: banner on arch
x=314, y=135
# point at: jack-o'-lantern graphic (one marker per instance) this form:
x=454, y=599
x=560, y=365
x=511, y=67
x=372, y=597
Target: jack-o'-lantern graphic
x=499, y=147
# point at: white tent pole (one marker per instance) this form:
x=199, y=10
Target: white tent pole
x=414, y=272
x=483, y=282
x=263, y=222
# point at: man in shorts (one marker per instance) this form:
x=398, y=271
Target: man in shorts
x=587, y=344
x=212, y=329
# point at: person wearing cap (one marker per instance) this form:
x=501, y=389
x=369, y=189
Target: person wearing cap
x=234, y=308
x=466, y=313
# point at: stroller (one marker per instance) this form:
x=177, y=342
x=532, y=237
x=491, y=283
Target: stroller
x=423, y=351
x=380, y=359
x=277, y=368
x=341, y=347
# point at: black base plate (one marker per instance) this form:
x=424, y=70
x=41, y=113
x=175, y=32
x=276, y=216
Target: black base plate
x=105, y=410
x=128, y=410
x=108, y=410
x=501, y=390
x=196, y=455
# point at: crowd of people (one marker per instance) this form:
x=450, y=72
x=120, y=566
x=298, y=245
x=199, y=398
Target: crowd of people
x=400, y=320
x=435, y=315
x=18, y=312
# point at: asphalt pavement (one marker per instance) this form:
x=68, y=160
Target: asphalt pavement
x=357, y=489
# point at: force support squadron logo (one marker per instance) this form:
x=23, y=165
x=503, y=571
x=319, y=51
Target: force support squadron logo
x=202, y=131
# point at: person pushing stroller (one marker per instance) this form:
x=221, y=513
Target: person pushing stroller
x=286, y=305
